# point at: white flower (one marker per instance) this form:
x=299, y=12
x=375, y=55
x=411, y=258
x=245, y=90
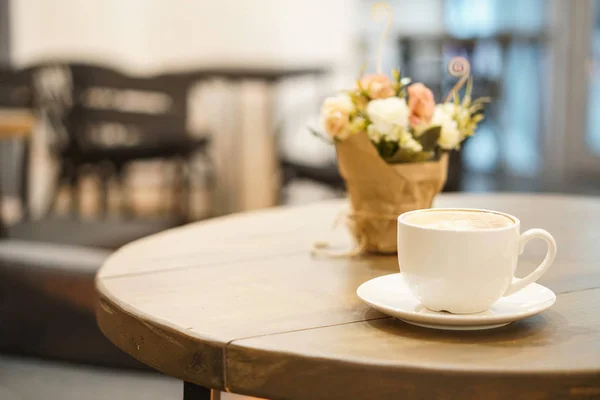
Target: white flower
x=409, y=143
x=457, y=112
x=357, y=124
x=388, y=114
x=398, y=135
x=444, y=116
x=374, y=134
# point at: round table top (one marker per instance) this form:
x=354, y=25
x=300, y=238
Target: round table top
x=239, y=304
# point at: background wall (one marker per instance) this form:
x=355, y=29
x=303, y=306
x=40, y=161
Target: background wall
x=152, y=35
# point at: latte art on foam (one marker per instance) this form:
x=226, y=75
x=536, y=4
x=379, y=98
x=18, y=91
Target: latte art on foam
x=459, y=220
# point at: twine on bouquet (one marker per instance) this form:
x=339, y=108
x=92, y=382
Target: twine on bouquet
x=323, y=247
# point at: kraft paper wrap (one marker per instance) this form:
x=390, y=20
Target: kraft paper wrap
x=379, y=191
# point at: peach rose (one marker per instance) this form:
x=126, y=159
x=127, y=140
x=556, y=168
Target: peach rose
x=335, y=116
x=336, y=125
x=377, y=86
x=421, y=104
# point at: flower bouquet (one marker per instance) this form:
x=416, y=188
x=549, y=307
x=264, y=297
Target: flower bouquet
x=392, y=141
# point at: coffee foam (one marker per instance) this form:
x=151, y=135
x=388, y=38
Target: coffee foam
x=459, y=220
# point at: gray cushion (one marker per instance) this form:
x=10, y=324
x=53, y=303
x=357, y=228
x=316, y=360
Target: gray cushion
x=47, y=299
x=106, y=234
x=50, y=256
x=32, y=379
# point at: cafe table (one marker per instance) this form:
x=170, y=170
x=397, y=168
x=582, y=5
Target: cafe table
x=239, y=304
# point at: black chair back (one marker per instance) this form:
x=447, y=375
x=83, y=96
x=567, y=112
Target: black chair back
x=112, y=109
x=15, y=91
x=98, y=108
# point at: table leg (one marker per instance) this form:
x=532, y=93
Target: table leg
x=3, y=232
x=192, y=391
x=25, y=173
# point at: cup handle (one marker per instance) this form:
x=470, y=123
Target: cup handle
x=543, y=267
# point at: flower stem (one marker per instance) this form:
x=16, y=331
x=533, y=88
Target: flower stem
x=384, y=7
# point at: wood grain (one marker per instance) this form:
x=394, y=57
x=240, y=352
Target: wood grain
x=554, y=354
x=238, y=302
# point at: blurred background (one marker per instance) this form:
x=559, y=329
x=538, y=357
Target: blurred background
x=119, y=119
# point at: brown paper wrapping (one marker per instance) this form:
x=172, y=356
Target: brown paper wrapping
x=379, y=191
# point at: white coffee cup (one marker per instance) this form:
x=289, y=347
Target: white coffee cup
x=461, y=269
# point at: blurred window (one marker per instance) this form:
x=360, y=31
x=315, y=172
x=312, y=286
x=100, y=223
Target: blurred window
x=507, y=51
x=593, y=122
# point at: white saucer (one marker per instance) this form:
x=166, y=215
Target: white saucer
x=390, y=295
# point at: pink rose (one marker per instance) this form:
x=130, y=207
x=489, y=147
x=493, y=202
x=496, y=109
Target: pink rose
x=377, y=86
x=421, y=104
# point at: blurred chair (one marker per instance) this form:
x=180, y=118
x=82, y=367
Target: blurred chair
x=15, y=90
x=47, y=272
x=15, y=95
x=47, y=297
x=106, y=120
x=106, y=234
x=48, y=266
x=327, y=175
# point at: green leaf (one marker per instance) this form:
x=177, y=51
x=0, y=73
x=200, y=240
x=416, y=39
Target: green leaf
x=409, y=156
x=467, y=97
x=319, y=135
x=362, y=71
x=474, y=108
x=477, y=118
x=359, y=86
x=429, y=138
x=387, y=149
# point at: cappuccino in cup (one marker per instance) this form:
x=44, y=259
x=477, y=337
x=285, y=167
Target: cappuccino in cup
x=464, y=260
x=459, y=220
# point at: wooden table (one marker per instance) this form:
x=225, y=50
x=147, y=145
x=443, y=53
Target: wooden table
x=238, y=304
x=16, y=124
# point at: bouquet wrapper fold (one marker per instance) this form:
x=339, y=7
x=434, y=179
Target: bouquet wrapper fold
x=379, y=191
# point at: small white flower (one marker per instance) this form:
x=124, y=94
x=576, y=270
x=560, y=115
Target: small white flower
x=395, y=134
x=408, y=142
x=374, y=135
x=448, y=108
x=444, y=116
x=457, y=113
x=388, y=114
x=358, y=124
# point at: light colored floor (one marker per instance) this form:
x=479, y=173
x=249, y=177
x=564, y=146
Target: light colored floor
x=33, y=379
